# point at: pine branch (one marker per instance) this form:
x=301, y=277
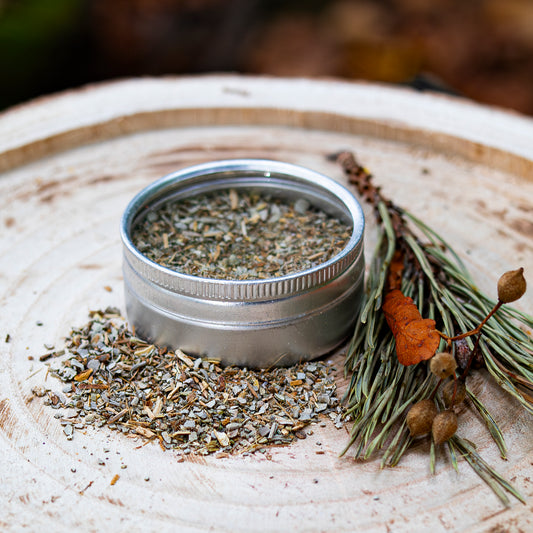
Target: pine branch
x=478, y=329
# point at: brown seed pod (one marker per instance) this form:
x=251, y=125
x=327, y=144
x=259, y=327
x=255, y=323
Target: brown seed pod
x=420, y=417
x=444, y=426
x=448, y=390
x=511, y=286
x=442, y=364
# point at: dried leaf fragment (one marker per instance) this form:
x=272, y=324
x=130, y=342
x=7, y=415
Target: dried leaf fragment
x=222, y=438
x=145, y=432
x=184, y=358
x=144, y=351
x=416, y=337
x=82, y=376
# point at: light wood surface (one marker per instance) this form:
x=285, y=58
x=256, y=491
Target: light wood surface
x=71, y=163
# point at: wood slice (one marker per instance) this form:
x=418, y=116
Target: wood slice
x=70, y=165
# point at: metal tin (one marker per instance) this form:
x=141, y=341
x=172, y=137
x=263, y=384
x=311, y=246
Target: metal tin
x=253, y=323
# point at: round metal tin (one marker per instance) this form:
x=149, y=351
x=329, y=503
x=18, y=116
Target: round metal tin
x=254, y=323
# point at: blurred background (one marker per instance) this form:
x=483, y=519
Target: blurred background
x=481, y=49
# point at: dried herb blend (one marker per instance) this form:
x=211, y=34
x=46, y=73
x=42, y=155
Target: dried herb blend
x=193, y=405
x=239, y=235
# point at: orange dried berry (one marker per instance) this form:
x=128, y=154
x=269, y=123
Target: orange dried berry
x=511, y=286
x=448, y=393
x=420, y=417
x=444, y=426
x=442, y=365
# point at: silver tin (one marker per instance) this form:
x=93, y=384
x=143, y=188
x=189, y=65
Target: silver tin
x=253, y=323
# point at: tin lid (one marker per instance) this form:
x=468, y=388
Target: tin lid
x=277, y=177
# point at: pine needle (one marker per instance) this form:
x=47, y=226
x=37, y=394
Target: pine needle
x=494, y=480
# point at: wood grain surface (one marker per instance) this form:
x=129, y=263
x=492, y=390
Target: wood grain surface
x=70, y=165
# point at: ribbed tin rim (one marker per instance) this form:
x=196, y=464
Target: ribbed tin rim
x=245, y=173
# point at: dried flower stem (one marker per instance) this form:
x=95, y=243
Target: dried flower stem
x=477, y=329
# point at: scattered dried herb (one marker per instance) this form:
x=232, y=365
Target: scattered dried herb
x=193, y=405
x=414, y=264
x=239, y=235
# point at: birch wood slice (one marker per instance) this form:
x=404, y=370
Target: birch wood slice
x=70, y=165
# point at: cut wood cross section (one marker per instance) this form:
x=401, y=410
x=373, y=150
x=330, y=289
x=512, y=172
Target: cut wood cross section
x=71, y=163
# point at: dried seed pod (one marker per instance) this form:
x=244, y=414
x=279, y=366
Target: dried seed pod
x=448, y=393
x=420, y=417
x=511, y=286
x=444, y=426
x=442, y=364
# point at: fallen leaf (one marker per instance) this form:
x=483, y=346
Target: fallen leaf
x=416, y=337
